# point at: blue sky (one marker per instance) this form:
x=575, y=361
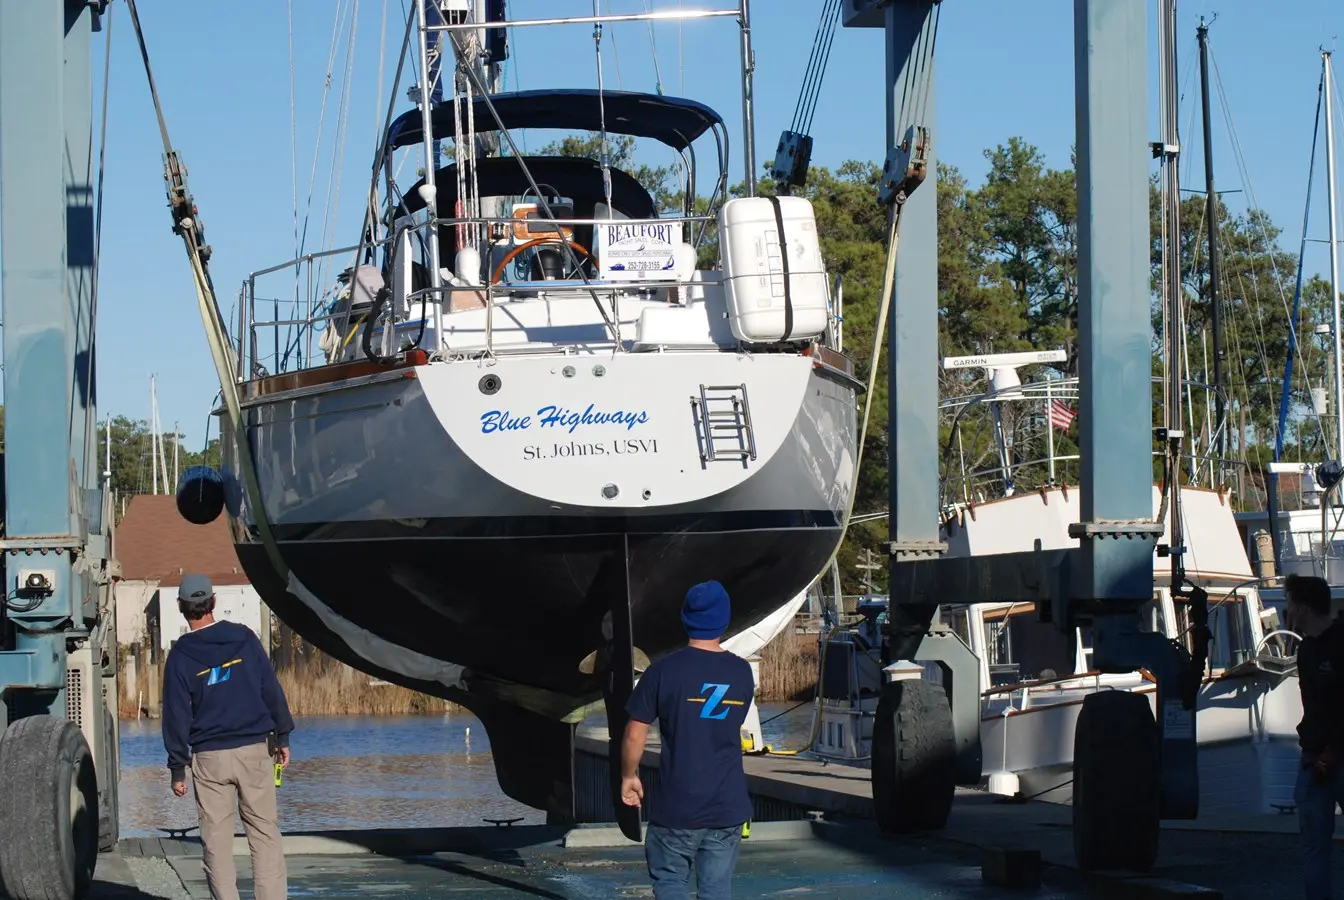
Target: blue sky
x=1005, y=69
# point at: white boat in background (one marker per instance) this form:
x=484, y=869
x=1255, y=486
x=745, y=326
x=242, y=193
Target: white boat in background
x=1033, y=676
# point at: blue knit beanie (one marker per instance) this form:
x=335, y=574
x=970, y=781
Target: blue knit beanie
x=706, y=611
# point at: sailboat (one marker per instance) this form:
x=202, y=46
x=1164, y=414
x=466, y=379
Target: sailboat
x=541, y=407
x=1309, y=539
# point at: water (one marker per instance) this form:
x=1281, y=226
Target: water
x=369, y=772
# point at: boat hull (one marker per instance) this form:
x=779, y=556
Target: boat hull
x=1246, y=730
x=451, y=555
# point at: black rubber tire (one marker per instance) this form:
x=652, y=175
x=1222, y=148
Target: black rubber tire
x=109, y=827
x=914, y=757
x=1117, y=813
x=47, y=849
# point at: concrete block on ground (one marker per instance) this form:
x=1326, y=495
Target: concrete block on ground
x=1011, y=867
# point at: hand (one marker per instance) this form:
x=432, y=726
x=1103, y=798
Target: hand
x=1324, y=765
x=632, y=791
x=180, y=788
x=282, y=757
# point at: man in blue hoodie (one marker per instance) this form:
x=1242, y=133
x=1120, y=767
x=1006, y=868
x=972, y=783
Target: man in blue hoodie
x=221, y=705
x=699, y=697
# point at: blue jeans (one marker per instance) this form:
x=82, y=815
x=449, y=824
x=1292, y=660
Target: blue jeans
x=1316, y=824
x=673, y=852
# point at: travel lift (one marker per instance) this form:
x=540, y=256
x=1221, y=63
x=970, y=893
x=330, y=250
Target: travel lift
x=58, y=673
x=1130, y=769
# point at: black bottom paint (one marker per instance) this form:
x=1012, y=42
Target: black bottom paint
x=527, y=610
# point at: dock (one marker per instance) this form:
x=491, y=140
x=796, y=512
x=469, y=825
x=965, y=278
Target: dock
x=814, y=836
x=820, y=858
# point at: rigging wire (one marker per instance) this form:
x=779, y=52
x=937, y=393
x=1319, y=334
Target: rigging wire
x=379, y=162
x=681, y=52
x=293, y=138
x=331, y=206
x=382, y=73
x=1240, y=159
x=653, y=46
x=615, y=55
x=338, y=150
x=816, y=69
x=337, y=29
x=833, y=22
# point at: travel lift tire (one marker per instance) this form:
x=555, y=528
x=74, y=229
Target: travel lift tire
x=1116, y=783
x=48, y=811
x=914, y=757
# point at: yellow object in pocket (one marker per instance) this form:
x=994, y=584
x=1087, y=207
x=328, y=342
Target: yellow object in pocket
x=746, y=829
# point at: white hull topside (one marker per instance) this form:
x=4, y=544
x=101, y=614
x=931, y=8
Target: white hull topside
x=552, y=436
x=1246, y=728
x=1013, y=524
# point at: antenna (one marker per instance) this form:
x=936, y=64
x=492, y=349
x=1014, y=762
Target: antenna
x=1002, y=367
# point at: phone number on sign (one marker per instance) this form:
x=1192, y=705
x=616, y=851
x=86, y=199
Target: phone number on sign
x=572, y=449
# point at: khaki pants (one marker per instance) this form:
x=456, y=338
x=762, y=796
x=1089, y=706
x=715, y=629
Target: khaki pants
x=240, y=780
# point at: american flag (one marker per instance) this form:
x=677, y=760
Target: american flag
x=1061, y=414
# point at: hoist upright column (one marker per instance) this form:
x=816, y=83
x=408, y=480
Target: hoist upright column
x=57, y=674
x=1129, y=770
x=918, y=751
x=46, y=236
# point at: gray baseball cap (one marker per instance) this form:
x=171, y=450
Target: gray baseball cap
x=194, y=587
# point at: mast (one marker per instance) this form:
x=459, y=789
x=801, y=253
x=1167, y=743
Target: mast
x=1272, y=480
x=154, y=435
x=1171, y=270
x=1334, y=250
x=1215, y=304
x=748, y=98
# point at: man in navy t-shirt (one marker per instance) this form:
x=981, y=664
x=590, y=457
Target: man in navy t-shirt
x=699, y=696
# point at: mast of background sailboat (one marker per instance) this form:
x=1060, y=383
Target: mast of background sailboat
x=1171, y=262
x=1334, y=250
x=1215, y=303
x=1272, y=479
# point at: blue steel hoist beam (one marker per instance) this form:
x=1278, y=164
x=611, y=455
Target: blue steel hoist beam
x=57, y=622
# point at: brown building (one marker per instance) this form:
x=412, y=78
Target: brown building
x=156, y=547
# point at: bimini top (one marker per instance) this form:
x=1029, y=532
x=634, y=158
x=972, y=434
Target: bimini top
x=674, y=121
